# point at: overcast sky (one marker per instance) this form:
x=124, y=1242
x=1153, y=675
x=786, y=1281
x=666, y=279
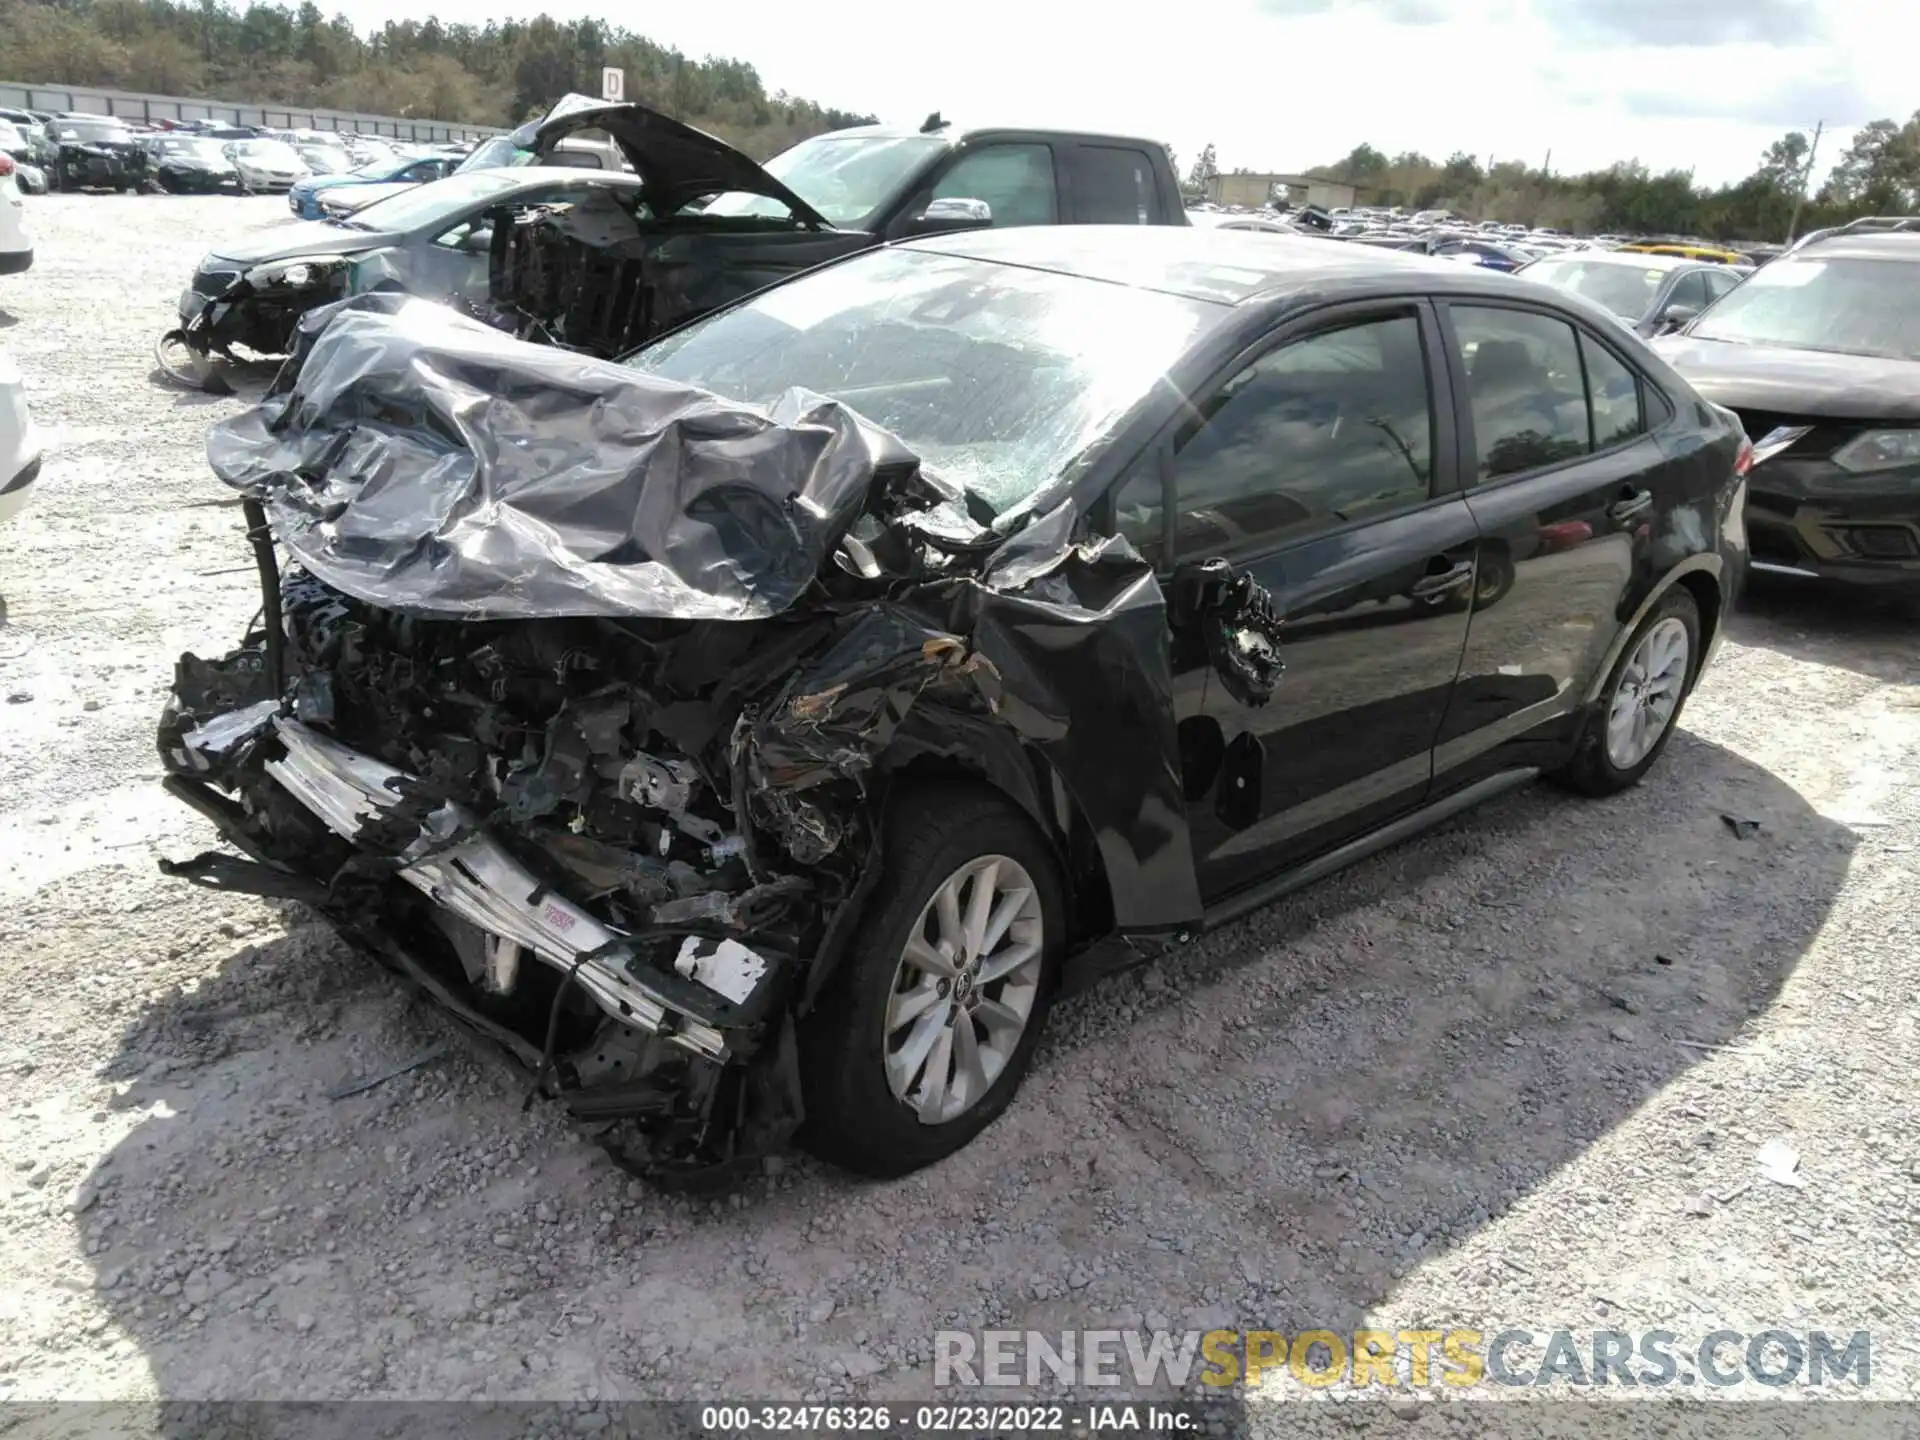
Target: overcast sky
x=1283, y=84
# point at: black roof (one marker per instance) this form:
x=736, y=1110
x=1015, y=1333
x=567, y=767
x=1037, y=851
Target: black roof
x=1228, y=267
x=954, y=133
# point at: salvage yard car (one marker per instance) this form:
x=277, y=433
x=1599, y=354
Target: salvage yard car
x=190, y=165
x=16, y=244
x=397, y=170
x=1647, y=291
x=1818, y=353
x=93, y=153
x=432, y=239
x=266, y=164
x=604, y=265
x=756, y=737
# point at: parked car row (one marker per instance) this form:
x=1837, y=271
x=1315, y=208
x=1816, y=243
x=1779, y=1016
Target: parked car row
x=98, y=152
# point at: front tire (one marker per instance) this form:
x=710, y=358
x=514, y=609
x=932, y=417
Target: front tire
x=1640, y=707
x=922, y=1036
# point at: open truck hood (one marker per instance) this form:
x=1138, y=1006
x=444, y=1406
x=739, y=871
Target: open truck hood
x=675, y=162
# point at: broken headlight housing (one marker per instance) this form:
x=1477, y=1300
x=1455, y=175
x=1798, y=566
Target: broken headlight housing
x=295, y=274
x=1879, y=450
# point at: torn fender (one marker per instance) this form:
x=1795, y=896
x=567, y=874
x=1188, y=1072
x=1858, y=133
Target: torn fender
x=1062, y=645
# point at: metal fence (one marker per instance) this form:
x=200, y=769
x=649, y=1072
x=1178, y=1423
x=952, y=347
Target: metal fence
x=152, y=108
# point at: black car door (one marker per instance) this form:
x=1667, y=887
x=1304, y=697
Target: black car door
x=1566, y=482
x=1321, y=462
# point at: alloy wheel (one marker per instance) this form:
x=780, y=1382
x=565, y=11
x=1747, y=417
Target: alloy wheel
x=1647, y=693
x=964, y=989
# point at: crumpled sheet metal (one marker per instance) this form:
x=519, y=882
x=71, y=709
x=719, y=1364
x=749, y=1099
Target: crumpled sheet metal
x=424, y=462
x=1048, y=624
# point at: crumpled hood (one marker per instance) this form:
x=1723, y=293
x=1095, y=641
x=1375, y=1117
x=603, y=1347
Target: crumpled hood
x=426, y=463
x=309, y=237
x=1786, y=381
x=675, y=162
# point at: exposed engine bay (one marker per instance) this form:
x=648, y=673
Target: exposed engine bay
x=597, y=275
x=585, y=719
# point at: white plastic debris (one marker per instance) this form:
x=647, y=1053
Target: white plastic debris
x=1780, y=1163
x=725, y=967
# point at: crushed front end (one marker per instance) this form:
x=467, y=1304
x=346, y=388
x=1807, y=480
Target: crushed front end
x=255, y=307
x=578, y=695
x=533, y=821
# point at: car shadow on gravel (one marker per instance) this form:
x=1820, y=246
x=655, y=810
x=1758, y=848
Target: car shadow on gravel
x=1827, y=626
x=8, y=320
x=1263, y=1130
x=246, y=381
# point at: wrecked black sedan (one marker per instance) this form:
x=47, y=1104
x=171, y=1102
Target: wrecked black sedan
x=755, y=738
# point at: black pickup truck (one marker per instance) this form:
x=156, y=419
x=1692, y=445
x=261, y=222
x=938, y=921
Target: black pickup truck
x=605, y=275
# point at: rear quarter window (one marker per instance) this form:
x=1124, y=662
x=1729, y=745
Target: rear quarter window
x=1113, y=185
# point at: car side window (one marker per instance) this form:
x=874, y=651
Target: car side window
x=1525, y=389
x=1613, y=393
x=1323, y=430
x=1718, y=283
x=1113, y=186
x=1016, y=181
x=1690, y=290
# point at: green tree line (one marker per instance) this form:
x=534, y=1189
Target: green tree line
x=1877, y=174
x=498, y=73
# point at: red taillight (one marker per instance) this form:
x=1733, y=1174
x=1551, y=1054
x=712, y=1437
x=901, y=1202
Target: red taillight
x=6, y=165
x=1743, y=462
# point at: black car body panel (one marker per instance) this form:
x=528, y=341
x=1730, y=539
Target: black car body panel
x=1809, y=514
x=622, y=671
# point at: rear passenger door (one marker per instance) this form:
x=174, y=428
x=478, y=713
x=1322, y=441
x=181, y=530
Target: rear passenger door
x=1322, y=464
x=1565, y=481
x=1113, y=185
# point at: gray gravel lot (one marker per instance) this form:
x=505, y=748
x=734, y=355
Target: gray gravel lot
x=1514, y=1074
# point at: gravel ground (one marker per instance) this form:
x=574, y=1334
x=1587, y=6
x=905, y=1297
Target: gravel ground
x=1515, y=1073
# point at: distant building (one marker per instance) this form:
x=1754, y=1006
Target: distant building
x=1256, y=190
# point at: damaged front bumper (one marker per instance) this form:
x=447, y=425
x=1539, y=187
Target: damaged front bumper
x=257, y=308
x=673, y=1035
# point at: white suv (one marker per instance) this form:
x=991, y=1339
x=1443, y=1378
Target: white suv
x=16, y=246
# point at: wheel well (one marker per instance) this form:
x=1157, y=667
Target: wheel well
x=1053, y=811
x=1707, y=599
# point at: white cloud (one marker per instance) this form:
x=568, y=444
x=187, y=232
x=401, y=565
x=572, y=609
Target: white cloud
x=1283, y=84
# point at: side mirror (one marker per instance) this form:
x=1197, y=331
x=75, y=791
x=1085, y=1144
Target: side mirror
x=478, y=241
x=946, y=217
x=1677, y=317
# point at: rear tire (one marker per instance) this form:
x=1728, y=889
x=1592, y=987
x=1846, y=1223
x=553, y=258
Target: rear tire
x=1612, y=754
x=855, y=1047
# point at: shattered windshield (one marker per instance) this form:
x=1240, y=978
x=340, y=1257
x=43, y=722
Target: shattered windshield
x=997, y=376
x=846, y=177
x=1854, y=307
